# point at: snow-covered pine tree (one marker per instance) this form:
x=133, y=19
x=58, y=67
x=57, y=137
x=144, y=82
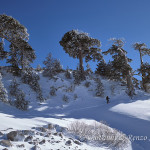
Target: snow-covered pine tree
x=87, y=84
x=57, y=66
x=136, y=83
x=121, y=68
x=15, y=33
x=75, y=96
x=106, y=70
x=22, y=56
x=67, y=73
x=79, y=45
x=3, y=91
x=102, y=68
x=65, y=98
x=52, y=91
x=49, y=65
x=146, y=78
x=38, y=68
x=14, y=87
x=99, y=88
x=112, y=87
x=77, y=76
x=88, y=69
x=52, y=66
x=19, y=95
x=30, y=77
x=143, y=50
x=20, y=101
x=3, y=54
x=11, y=29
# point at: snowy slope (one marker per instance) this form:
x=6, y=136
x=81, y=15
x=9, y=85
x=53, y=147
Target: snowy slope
x=129, y=116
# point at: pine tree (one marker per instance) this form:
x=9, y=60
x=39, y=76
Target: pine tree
x=146, y=70
x=30, y=77
x=14, y=87
x=19, y=95
x=112, y=87
x=3, y=54
x=11, y=29
x=65, y=98
x=20, y=101
x=52, y=91
x=88, y=70
x=102, y=68
x=79, y=45
x=120, y=64
x=52, y=66
x=77, y=76
x=21, y=53
x=67, y=73
x=106, y=70
x=3, y=91
x=100, y=88
x=22, y=56
x=38, y=68
x=143, y=50
x=136, y=83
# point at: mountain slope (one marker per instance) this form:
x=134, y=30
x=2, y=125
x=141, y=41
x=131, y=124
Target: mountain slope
x=86, y=107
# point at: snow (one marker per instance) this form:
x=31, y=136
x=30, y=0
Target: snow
x=129, y=116
x=138, y=109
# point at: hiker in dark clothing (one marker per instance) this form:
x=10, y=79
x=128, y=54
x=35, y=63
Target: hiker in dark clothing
x=107, y=99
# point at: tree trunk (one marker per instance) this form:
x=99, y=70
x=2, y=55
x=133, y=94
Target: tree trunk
x=22, y=65
x=130, y=85
x=81, y=62
x=141, y=57
x=81, y=65
x=143, y=73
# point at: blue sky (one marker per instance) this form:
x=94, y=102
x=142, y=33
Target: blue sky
x=48, y=20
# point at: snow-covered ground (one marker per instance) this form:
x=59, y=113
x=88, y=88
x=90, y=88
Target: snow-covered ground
x=138, y=109
x=129, y=116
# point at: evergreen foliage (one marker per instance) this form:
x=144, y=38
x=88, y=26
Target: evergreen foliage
x=77, y=76
x=87, y=84
x=136, y=83
x=106, y=70
x=79, y=45
x=99, y=88
x=75, y=96
x=3, y=91
x=39, y=68
x=52, y=66
x=3, y=54
x=65, y=98
x=20, y=101
x=52, y=91
x=11, y=29
x=67, y=73
x=145, y=68
x=22, y=56
x=14, y=87
x=21, y=53
x=143, y=50
x=121, y=68
x=112, y=89
x=15, y=91
x=30, y=77
x=88, y=69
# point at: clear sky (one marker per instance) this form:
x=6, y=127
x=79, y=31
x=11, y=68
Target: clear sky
x=48, y=20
